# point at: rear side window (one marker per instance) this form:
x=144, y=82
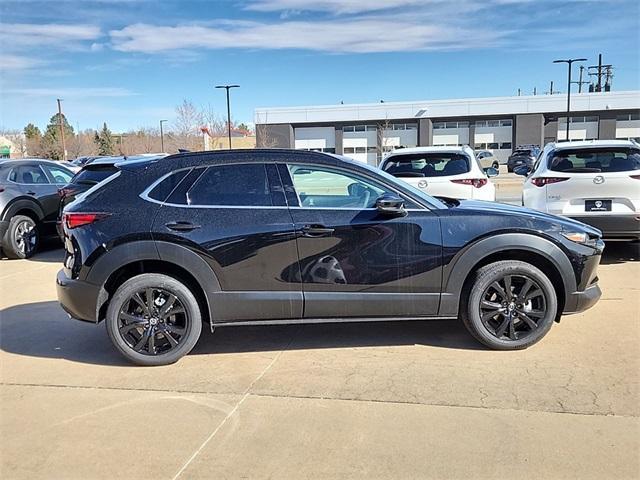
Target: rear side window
x=28, y=175
x=230, y=185
x=427, y=165
x=92, y=176
x=161, y=191
x=595, y=160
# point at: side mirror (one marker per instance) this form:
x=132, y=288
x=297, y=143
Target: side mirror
x=522, y=170
x=390, y=204
x=491, y=172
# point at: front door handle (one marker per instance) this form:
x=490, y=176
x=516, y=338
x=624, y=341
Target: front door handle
x=316, y=231
x=181, y=226
x=31, y=192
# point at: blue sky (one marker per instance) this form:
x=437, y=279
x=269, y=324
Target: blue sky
x=130, y=62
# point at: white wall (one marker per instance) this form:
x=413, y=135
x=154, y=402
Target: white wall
x=451, y=136
x=395, y=138
x=628, y=129
x=315, y=137
x=577, y=131
x=361, y=140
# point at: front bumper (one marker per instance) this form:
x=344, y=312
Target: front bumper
x=581, y=301
x=614, y=226
x=81, y=300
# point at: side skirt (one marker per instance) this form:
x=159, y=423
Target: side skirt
x=302, y=321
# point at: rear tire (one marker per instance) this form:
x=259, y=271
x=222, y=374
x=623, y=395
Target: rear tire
x=509, y=305
x=496, y=165
x=153, y=319
x=22, y=238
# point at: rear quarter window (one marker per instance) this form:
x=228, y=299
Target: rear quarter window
x=163, y=189
x=595, y=160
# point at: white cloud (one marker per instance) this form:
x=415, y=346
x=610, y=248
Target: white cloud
x=70, y=92
x=360, y=35
x=18, y=62
x=335, y=6
x=21, y=35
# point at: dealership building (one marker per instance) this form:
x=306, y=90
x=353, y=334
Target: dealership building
x=366, y=131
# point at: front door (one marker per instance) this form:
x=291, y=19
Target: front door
x=355, y=261
x=236, y=218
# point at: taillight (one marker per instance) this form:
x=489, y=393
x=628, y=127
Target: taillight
x=476, y=182
x=542, y=181
x=74, y=220
x=63, y=192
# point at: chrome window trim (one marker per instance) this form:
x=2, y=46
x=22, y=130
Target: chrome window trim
x=41, y=170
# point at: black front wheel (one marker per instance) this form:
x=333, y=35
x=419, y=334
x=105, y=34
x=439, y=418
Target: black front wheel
x=510, y=305
x=153, y=319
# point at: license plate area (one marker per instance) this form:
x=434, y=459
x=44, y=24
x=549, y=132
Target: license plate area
x=597, y=205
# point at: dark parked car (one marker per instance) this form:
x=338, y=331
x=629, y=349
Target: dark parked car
x=523, y=155
x=263, y=237
x=29, y=203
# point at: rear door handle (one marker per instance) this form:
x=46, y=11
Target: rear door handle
x=181, y=226
x=30, y=192
x=316, y=231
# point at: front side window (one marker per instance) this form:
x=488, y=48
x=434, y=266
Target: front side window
x=594, y=160
x=28, y=175
x=319, y=187
x=59, y=175
x=434, y=164
x=231, y=185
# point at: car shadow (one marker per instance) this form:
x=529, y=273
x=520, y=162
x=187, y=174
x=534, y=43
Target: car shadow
x=620, y=252
x=49, y=251
x=44, y=330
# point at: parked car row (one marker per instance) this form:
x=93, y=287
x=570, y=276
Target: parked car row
x=263, y=237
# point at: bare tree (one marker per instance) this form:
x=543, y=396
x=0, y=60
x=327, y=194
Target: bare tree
x=384, y=143
x=18, y=139
x=214, y=129
x=82, y=144
x=186, y=132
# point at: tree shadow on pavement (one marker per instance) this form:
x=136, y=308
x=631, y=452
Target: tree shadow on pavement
x=44, y=330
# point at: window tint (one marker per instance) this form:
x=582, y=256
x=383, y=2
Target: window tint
x=161, y=191
x=235, y=185
x=28, y=174
x=59, y=175
x=320, y=187
x=595, y=160
x=427, y=165
x=179, y=194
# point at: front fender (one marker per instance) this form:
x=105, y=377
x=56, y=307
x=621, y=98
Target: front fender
x=456, y=271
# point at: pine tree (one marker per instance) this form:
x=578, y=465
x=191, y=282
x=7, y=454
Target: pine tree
x=104, y=141
x=51, y=141
x=32, y=132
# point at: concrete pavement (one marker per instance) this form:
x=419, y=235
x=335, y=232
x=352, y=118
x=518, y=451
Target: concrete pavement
x=374, y=400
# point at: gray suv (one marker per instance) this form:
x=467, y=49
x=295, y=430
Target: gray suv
x=29, y=202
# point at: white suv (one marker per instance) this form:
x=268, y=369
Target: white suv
x=596, y=182
x=442, y=171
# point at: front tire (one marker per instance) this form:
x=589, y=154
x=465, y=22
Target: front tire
x=153, y=319
x=509, y=305
x=21, y=238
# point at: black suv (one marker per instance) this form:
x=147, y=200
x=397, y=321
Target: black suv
x=524, y=155
x=263, y=237
x=29, y=203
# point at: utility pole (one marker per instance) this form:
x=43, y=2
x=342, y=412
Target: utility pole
x=535, y=90
x=551, y=90
x=600, y=71
x=227, y=88
x=161, y=136
x=580, y=82
x=518, y=92
x=60, y=123
x=569, y=62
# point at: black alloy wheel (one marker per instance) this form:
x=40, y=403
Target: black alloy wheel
x=152, y=321
x=26, y=237
x=512, y=306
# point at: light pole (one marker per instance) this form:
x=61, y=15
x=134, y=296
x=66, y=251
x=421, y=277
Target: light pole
x=569, y=62
x=60, y=124
x=161, y=137
x=227, y=87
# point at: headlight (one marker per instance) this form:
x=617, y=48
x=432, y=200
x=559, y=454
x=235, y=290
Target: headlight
x=580, y=237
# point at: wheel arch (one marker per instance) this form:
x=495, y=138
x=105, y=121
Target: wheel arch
x=23, y=206
x=128, y=260
x=538, y=251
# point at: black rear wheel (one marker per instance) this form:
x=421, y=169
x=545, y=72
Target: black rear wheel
x=22, y=238
x=153, y=319
x=510, y=305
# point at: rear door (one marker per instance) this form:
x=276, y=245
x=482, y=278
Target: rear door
x=354, y=261
x=235, y=217
x=34, y=183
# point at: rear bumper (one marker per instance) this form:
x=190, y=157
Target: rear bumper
x=79, y=299
x=581, y=301
x=613, y=226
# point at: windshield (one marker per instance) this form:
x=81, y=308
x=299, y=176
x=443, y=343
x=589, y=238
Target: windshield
x=427, y=164
x=595, y=160
x=522, y=152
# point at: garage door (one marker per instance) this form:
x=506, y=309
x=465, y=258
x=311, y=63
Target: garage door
x=321, y=139
x=495, y=136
